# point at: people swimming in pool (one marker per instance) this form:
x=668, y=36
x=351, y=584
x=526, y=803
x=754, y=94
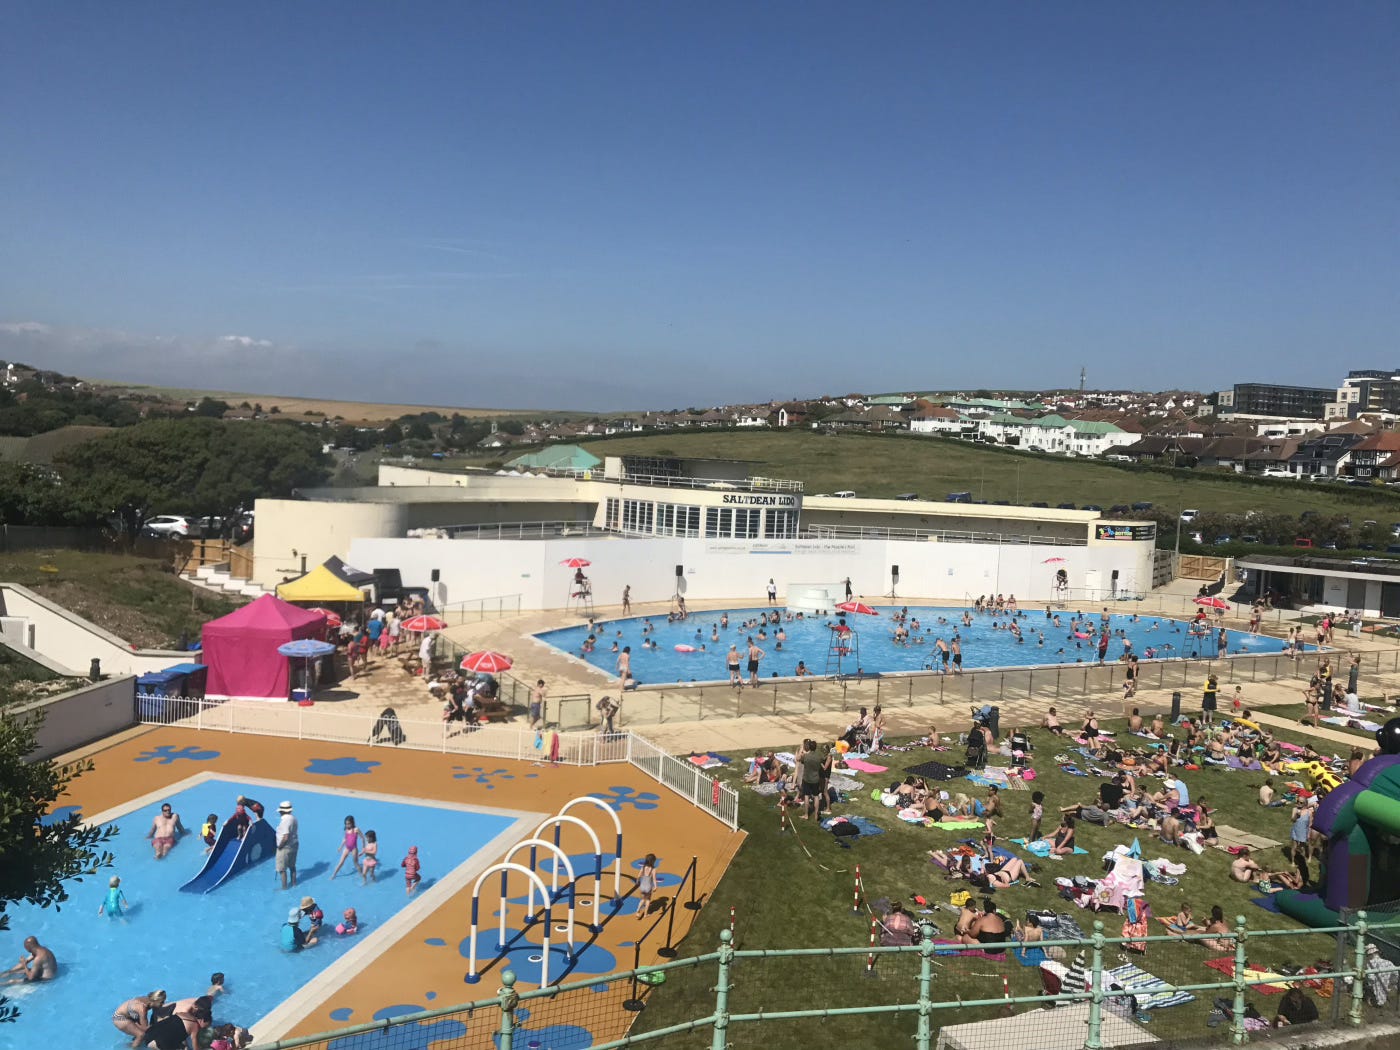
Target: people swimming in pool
x=114, y=903
x=349, y=923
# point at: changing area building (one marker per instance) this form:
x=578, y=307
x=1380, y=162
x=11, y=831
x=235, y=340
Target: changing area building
x=704, y=529
x=1370, y=586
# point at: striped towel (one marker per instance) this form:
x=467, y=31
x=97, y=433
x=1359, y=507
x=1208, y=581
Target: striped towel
x=1152, y=992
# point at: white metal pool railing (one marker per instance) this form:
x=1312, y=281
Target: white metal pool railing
x=857, y=532
x=523, y=530
x=485, y=741
x=492, y=607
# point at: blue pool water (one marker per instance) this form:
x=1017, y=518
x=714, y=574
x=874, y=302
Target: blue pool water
x=808, y=640
x=175, y=940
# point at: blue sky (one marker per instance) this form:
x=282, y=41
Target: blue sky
x=609, y=205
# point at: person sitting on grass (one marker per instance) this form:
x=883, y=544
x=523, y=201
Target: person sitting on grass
x=1029, y=932
x=1295, y=1008
x=1219, y=929
x=898, y=928
x=1169, y=828
x=1062, y=844
x=1051, y=721
x=988, y=928
x=1183, y=922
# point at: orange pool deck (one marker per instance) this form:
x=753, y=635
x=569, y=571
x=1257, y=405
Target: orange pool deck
x=411, y=968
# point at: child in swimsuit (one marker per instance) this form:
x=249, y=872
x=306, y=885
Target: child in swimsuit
x=115, y=901
x=349, y=846
x=349, y=923
x=370, y=861
x=210, y=832
x=412, y=871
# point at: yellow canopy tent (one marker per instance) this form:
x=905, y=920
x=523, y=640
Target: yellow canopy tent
x=318, y=586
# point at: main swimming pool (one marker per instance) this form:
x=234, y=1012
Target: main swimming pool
x=175, y=940
x=808, y=640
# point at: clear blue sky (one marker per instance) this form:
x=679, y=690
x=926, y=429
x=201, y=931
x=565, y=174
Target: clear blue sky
x=605, y=205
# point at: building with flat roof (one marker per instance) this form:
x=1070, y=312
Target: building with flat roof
x=1274, y=399
x=1368, y=585
x=707, y=528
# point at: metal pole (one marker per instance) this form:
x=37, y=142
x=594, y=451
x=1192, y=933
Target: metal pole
x=726, y=956
x=509, y=1000
x=923, y=1037
x=1237, y=1032
x=1093, y=1040
x=1358, y=978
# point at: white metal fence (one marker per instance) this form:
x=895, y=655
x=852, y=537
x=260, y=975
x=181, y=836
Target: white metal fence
x=387, y=729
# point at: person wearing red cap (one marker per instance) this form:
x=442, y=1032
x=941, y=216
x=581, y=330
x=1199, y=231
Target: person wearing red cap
x=412, y=875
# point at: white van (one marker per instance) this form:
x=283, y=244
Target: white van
x=845, y=494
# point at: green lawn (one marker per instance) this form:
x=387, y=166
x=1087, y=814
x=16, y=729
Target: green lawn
x=785, y=898
x=137, y=599
x=887, y=465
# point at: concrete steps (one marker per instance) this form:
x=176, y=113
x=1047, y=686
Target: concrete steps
x=216, y=580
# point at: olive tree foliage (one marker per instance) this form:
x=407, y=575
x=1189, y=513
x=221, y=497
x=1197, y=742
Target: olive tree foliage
x=40, y=852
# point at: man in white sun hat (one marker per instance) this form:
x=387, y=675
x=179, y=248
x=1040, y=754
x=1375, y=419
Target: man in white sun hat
x=286, y=846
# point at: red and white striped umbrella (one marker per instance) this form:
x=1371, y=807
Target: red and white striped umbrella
x=856, y=607
x=1213, y=603
x=332, y=618
x=575, y=563
x=423, y=624
x=486, y=662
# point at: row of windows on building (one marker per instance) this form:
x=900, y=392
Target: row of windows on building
x=646, y=518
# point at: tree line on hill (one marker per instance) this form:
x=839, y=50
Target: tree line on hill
x=193, y=465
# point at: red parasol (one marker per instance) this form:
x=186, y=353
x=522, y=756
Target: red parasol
x=422, y=624
x=1053, y=561
x=486, y=662
x=575, y=563
x=332, y=618
x=1213, y=603
x=856, y=607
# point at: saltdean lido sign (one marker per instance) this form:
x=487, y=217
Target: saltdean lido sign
x=743, y=500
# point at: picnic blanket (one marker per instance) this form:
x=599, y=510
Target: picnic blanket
x=1152, y=993
x=1226, y=965
x=863, y=766
x=958, y=948
x=1232, y=837
x=1029, y=956
x=1234, y=762
x=1352, y=723
x=1269, y=903
x=1072, y=770
x=1041, y=847
x=1061, y=927
x=936, y=771
x=708, y=761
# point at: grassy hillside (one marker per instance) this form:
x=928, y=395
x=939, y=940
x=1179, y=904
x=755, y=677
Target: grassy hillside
x=876, y=465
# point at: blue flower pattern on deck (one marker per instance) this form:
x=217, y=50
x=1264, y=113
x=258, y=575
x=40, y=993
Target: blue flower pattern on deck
x=340, y=767
x=166, y=754
x=59, y=815
x=618, y=796
x=483, y=776
x=405, y=1037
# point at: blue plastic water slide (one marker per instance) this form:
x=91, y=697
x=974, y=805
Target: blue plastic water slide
x=232, y=855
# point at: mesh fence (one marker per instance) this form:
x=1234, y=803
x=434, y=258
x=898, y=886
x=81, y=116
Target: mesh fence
x=1106, y=989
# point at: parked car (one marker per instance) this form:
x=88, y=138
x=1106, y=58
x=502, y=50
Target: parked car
x=1093, y=507
x=174, y=526
x=845, y=494
x=1302, y=541
x=1142, y=505
x=1118, y=508
x=908, y=496
x=1274, y=472
x=1045, y=505
x=1249, y=539
x=959, y=497
x=1189, y=515
x=1065, y=506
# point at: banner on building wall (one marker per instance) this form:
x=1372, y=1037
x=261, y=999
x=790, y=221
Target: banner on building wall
x=747, y=547
x=1125, y=532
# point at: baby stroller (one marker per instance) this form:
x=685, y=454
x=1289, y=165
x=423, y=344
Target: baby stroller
x=976, y=756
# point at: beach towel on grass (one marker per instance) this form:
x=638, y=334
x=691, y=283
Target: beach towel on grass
x=1352, y=723
x=1072, y=770
x=1268, y=903
x=1226, y=965
x=958, y=948
x=957, y=825
x=1234, y=762
x=1041, y=847
x=1029, y=956
x=864, y=766
x=1152, y=992
x=706, y=761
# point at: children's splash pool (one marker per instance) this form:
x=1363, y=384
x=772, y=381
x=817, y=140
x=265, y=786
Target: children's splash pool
x=174, y=940
x=985, y=643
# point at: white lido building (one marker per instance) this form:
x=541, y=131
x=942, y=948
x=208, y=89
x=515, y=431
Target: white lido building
x=708, y=529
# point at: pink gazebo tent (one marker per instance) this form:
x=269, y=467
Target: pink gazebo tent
x=241, y=649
